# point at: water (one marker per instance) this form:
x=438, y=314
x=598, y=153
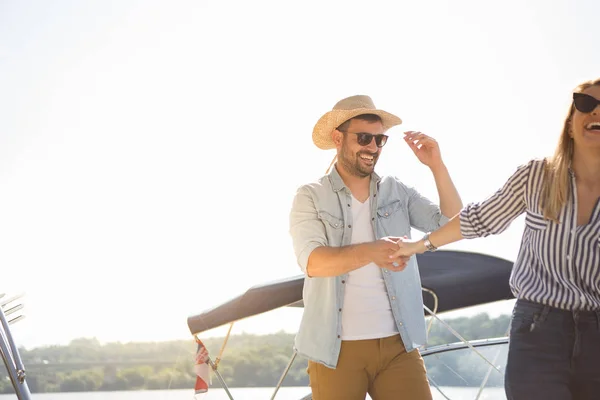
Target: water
x=286, y=393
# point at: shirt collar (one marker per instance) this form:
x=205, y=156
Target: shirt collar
x=337, y=183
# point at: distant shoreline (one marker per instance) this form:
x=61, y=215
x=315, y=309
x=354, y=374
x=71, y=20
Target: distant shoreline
x=249, y=361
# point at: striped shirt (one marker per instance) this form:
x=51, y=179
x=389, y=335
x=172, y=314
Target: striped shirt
x=558, y=263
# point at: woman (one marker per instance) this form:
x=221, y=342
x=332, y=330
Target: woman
x=554, y=350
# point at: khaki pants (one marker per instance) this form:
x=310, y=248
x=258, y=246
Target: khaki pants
x=380, y=367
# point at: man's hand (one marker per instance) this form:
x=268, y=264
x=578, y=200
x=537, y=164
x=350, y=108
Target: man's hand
x=407, y=248
x=425, y=148
x=382, y=254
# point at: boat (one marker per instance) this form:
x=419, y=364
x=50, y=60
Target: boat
x=451, y=280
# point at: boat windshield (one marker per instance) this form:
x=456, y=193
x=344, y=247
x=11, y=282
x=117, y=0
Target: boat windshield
x=458, y=372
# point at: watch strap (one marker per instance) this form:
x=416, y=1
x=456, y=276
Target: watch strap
x=428, y=245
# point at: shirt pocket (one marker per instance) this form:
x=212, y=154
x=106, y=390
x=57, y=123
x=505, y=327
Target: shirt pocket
x=334, y=227
x=393, y=219
x=535, y=222
x=535, y=226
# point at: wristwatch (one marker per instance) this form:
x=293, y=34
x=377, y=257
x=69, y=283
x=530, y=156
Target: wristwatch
x=428, y=245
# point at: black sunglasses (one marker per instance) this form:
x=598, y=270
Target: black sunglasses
x=364, y=139
x=585, y=103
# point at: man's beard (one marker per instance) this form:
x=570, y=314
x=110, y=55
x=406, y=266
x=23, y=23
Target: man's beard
x=353, y=164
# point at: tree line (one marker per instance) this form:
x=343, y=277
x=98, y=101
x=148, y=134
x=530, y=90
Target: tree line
x=248, y=360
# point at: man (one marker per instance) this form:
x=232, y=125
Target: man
x=363, y=312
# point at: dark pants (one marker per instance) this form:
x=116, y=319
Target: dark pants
x=553, y=354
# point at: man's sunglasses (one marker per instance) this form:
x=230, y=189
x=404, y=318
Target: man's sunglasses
x=584, y=102
x=364, y=139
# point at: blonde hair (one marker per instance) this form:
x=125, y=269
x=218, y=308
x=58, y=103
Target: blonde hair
x=556, y=187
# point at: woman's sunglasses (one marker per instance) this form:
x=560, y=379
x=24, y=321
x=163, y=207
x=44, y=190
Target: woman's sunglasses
x=364, y=139
x=584, y=102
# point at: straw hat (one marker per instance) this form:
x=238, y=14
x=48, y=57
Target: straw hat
x=344, y=110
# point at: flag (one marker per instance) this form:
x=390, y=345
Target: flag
x=201, y=368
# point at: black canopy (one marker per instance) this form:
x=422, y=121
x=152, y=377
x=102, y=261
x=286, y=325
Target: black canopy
x=458, y=278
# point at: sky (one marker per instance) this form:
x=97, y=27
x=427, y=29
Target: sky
x=150, y=150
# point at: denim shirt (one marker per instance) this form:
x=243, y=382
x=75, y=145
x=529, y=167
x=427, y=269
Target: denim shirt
x=321, y=215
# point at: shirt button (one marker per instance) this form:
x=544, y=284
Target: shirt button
x=386, y=214
x=349, y=226
x=343, y=281
x=400, y=324
x=340, y=310
x=339, y=336
x=393, y=297
x=336, y=225
x=568, y=256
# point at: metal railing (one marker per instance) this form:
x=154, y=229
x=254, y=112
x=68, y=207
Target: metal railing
x=8, y=348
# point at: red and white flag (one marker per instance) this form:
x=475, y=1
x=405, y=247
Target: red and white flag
x=202, y=369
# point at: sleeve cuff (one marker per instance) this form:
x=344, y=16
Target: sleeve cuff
x=443, y=220
x=469, y=230
x=303, y=257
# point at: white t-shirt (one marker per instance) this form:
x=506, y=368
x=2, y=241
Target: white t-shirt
x=366, y=312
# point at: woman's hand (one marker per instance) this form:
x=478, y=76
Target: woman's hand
x=408, y=247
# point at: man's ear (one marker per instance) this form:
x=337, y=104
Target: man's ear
x=337, y=137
